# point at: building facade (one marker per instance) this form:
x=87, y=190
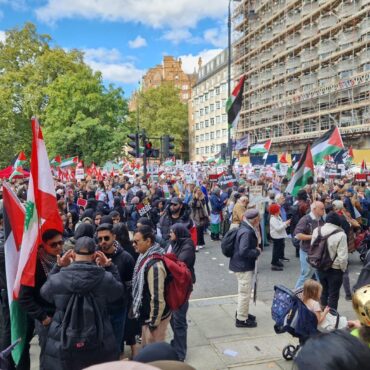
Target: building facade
x=207, y=109
x=170, y=71
x=307, y=67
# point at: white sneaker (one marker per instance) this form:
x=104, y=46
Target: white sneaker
x=197, y=248
x=200, y=246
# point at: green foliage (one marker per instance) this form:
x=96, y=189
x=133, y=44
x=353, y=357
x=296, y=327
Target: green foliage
x=78, y=114
x=161, y=113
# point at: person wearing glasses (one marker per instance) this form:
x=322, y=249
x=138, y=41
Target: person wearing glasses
x=39, y=310
x=125, y=264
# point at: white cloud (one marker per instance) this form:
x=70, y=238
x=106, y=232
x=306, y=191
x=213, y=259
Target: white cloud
x=190, y=61
x=179, y=14
x=139, y=42
x=2, y=36
x=176, y=36
x=112, y=65
x=216, y=37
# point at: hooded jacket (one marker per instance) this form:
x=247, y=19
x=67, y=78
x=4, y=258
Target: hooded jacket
x=337, y=245
x=62, y=283
x=166, y=221
x=183, y=247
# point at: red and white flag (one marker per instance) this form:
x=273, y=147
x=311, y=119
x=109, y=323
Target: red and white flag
x=41, y=210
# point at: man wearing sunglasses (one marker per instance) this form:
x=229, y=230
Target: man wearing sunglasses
x=38, y=310
x=125, y=264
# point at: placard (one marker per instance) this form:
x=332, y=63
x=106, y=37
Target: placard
x=255, y=190
x=80, y=174
x=144, y=207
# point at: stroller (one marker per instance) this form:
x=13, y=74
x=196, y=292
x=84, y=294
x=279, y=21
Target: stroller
x=292, y=316
x=362, y=244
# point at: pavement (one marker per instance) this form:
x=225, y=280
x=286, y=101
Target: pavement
x=214, y=343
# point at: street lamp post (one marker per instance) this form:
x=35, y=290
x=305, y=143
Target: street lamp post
x=229, y=142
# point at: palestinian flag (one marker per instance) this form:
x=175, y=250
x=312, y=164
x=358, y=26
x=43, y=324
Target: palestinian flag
x=56, y=161
x=13, y=227
x=69, y=162
x=21, y=160
x=41, y=210
x=351, y=156
x=260, y=148
x=234, y=104
x=304, y=171
x=363, y=166
x=331, y=142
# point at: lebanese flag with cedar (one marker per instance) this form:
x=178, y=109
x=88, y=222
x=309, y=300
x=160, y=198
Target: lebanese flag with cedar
x=41, y=210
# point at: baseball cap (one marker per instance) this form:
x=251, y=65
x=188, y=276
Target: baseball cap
x=176, y=200
x=251, y=213
x=85, y=245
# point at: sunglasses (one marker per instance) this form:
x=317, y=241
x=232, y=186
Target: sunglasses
x=56, y=244
x=105, y=238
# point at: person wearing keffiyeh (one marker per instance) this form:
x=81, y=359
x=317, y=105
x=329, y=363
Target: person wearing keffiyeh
x=39, y=310
x=148, y=285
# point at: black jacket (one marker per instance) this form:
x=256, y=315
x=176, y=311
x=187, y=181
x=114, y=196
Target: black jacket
x=80, y=277
x=185, y=252
x=30, y=299
x=125, y=266
x=245, y=251
x=166, y=221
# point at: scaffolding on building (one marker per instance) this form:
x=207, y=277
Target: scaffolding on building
x=307, y=67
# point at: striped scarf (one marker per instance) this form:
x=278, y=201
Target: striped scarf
x=47, y=260
x=138, y=278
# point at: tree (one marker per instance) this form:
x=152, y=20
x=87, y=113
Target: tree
x=77, y=112
x=161, y=112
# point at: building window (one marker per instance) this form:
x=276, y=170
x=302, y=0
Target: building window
x=212, y=148
x=207, y=149
x=206, y=96
x=212, y=121
x=211, y=93
x=224, y=118
x=201, y=112
x=217, y=90
x=206, y=110
x=202, y=150
x=185, y=87
x=224, y=132
x=197, y=139
x=201, y=137
x=218, y=148
x=201, y=125
x=212, y=135
x=224, y=102
x=218, y=105
x=223, y=87
x=201, y=99
x=206, y=123
x=197, y=150
x=218, y=119
x=218, y=133
x=197, y=126
x=206, y=136
x=212, y=108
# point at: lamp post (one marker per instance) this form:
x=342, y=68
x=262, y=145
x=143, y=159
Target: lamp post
x=229, y=142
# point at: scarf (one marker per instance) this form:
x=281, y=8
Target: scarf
x=47, y=260
x=138, y=278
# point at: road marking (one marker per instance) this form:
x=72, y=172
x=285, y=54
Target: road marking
x=214, y=258
x=221, y=264
x=211, y=298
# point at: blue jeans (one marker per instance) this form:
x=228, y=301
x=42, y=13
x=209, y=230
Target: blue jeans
x=179, y=327
x=118, y=321
x=306, y=270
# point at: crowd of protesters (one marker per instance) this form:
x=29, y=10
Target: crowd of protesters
x=112, y=227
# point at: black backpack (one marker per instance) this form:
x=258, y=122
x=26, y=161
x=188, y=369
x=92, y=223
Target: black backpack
x=228, y=242
x=318, y=255
x=82, y=326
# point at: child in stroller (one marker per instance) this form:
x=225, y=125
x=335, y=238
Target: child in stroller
x=301, y=320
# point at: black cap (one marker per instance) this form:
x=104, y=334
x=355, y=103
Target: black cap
x=85, y=245
x=176, y=200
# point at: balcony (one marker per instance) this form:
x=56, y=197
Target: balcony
x=365, y=26
x=327, y=21
x=348, y=37
x=293, y=62
x=309, y=79
x=365, y=57
x=292, y=18
x=265, y=56
x=309, y=8
x=278, y=48
x=265, y=76
x=326, y=47
x=308, y=55
x=347, y=65
x=309, y=31
x=326, y=72
x=292, y=85
x=266, y=36
x=292, y=40
x=278, y=70
x=348, y=8
x=278, y=28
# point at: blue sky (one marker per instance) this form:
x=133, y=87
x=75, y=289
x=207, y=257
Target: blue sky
x=123, y=38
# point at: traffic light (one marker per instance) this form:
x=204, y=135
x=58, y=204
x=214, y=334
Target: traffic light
x=223, y=151
x=168, y=146
x=134, y=144
x=149, y=151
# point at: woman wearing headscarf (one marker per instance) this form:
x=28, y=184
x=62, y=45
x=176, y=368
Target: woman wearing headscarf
x=199, y=215
x=181, y=245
